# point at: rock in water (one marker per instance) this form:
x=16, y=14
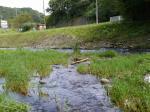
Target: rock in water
x=105, y=81
x=42, y=82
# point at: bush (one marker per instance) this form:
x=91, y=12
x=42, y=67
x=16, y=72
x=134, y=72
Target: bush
x=135, y=10
x=108, y=54
x=27, y=26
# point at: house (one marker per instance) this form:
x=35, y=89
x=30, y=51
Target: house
x=116, y=18
x=4, y=24
x=41, y=26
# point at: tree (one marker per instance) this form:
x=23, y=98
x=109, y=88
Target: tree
x=107, y=8
x=66, y=10
x=135, y=10
x=9, y=13
x=20, y=20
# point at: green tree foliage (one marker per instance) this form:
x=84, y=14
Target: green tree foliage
x=20, y=20
x=9, y=13
x=27, y=26
x=65, y=10
x=135, y=10
x=107, y=8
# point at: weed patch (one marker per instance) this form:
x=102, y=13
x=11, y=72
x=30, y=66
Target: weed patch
x=129, y=90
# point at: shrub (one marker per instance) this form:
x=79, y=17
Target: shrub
x=27, y=26
x=108, y=54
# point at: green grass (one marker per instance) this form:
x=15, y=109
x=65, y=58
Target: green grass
x=7, y=105
x=134, y=35
x=18, y=66
x=7, y=31
x=129, y=91
x=108, y=54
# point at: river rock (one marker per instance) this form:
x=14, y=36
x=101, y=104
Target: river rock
x=42, y=82
x=105, y=81
x=147, y=78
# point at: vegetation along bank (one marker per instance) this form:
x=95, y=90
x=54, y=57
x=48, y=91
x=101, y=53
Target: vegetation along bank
x=115, y=35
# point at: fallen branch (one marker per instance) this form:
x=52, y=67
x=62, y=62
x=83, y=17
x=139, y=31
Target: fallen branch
x=80, y=61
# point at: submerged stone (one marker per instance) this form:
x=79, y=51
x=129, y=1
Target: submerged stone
x=42, y=82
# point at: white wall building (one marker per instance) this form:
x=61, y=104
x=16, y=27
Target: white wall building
x=4, y=24
x=116, y=18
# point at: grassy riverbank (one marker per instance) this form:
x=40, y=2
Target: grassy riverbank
x=124, y=35
x=17, y=67
x=128, y=91
x=7, y=105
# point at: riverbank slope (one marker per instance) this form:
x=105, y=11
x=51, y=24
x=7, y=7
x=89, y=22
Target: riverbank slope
x=114, y=35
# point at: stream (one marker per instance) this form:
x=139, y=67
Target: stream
x=70, y=50
x=65, y=90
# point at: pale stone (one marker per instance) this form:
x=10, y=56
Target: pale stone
x=105, y=81
x=147, y=78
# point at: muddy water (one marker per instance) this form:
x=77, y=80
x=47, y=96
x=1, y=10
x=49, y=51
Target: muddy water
x=65, y=90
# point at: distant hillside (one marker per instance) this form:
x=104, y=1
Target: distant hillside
x=8, y=13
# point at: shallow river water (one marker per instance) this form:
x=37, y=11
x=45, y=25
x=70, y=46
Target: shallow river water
x=70, y=50
x=65, y=90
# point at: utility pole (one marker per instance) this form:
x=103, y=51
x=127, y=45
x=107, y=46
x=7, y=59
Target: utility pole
x=97, y=12
x=1, y=17
x=43, y=7
x=16, y=12
x=44, y=12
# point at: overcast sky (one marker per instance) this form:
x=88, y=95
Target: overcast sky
x=34, y=4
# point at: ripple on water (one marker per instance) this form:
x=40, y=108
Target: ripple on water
x=2, y=82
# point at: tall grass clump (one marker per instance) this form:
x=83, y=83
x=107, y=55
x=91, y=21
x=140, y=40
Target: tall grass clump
x=129, y=90
x=17, y=78
x=76, y=51
x=43, y=68
x=108, y=54
x=8, y=105
x=18, y=66
x=83, y=69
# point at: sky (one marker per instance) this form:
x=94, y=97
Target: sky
x=34, y=4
